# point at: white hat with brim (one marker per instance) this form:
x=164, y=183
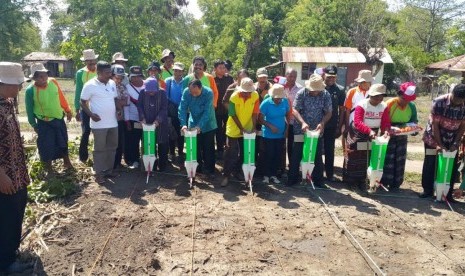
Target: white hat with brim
x=364, y=76
x=11, y=73
x=37, y=67
x=315, y=83
x=178, y=66
x=118, y=56
x=277, y=91
x=377, y=89
x=246, y=85
x=262, y=72
x=88, y=54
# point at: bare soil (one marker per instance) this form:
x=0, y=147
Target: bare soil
x=127, y=227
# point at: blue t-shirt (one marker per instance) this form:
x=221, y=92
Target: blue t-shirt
x=174, y=90
x=274, y=114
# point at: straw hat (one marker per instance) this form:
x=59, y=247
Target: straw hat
x=37, y=67
x=408, y=91
x=364, y=76
x=277, y=91
x=246, y=85
x=11, y=73
x=166, y=53
x=178, y=66
x=315, y=83
x=262, y=72
x=89, y=54
x=118, y=56
x=377, y=89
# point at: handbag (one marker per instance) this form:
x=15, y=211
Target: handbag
x=172, y=107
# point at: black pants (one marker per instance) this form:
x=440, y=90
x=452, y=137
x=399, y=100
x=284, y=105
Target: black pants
x=179, y=141
x=221, y=120
x=290, y=142
x=259, y=156
x=233, y=155
x=273, y=155
x=294, y=164
x=162, y=160
x=329, y=142
x=83, y=146
x=206, y=151
x=429, y=174
x=132, y=139
x=120, y=148
x=11, y=219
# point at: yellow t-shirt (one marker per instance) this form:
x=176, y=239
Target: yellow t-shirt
x=243, y=110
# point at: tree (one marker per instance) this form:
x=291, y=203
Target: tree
x=19, y=34
x=455, y=39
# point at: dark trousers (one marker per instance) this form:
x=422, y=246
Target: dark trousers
x=273, y=155
x=294, y=164
x=120, y=148
x=162, y=160
x=179, y=141
x=206, y=151
x=290, y=142
x=429, y=174
x=83, y=146
x=259, y=156
x=329, y=142
x=233, y=155
x=221, y=120
x=11, y=219
x=132, y=139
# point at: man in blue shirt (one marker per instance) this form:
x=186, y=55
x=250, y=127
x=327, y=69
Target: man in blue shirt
x=198, y=100
x=174, y=94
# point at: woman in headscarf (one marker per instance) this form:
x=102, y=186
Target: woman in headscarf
x=402, y=110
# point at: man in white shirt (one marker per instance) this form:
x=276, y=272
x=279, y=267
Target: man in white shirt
x=98, y=101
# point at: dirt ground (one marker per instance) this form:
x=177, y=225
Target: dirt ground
x=127, y=227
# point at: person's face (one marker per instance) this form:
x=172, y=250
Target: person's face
x=91, y=64
x=195, y=90
x=40, y=79
x=121, y=62
x=457, y=101
x=262, y=80
x=198, y=66
x=220, y=70
x=277, y=100
x=178, y=74
x=365, y=85
x=137, y=81
x=154, y=72
x=9, y=90
x=118, y=79
x=375, y=100
x=315, y=93
x=168, y=62
x=291, y=78
x=104, y=75
x=330, y=80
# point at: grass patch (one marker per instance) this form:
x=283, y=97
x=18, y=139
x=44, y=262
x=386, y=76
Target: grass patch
x=412, y=177
x=415, y=156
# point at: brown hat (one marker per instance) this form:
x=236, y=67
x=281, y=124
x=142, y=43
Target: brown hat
x=315, y=83
x=37, y=67
x=364, y=76
x=277, y=91
x=166, y=53
x=11, y=73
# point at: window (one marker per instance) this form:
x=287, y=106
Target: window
x=307, y=70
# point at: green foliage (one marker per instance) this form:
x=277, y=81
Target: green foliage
x=455, y=39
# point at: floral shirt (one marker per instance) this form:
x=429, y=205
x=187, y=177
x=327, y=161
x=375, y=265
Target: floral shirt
x=13, y=159
x=311, y=108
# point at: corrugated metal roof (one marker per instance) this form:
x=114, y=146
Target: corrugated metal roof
x=327, y=55
x=454, y=64
x=44, y=56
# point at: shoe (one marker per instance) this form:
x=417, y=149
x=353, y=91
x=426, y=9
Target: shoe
x=135, y=165
x=266, y=180
x=425, y=195
x=275, y=180
x=17, y=267
x=225, y=181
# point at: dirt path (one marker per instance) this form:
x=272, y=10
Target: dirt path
x=280, y=231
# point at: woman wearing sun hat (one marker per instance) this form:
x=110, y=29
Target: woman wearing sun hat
x=371, y=118
x=402, y=110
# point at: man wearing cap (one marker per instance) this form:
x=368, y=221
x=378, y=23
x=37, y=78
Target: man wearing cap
x=83, y=75
x=98, y=101
x=167, y=58
x=154, y=71
x=46, y=107
x=334, y=126
x=118, y=76
x=174, y=94
x=242, y=117
x=274, y=114
x=222, y=81
x=133, y=133
x=200, y=66
x=371, y=119
x=312, y=109
x=13, y=171
x=198, y=100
